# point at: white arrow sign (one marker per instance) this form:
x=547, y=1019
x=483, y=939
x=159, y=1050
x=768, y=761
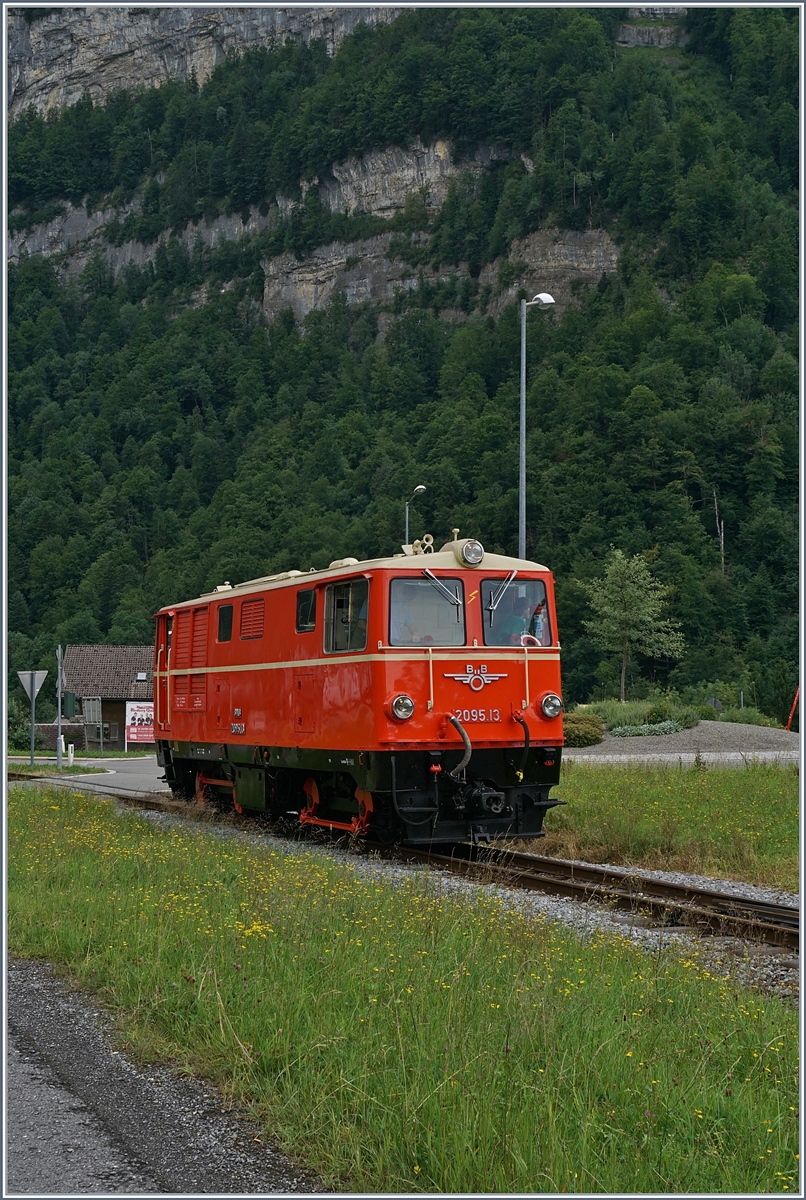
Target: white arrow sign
x=32, y=681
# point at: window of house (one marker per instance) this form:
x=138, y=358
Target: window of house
x=346, y=616
x=306, y=610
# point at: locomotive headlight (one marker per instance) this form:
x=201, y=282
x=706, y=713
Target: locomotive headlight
x=472, y=552
x=403, y=707
x=551, y=705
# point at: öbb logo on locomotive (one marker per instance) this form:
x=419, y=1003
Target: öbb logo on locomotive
x=476, y=678
x=339, y=697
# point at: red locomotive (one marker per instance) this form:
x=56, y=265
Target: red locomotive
x=415, y=697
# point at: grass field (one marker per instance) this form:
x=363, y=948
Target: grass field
x=728, y=823
x=398, y=1038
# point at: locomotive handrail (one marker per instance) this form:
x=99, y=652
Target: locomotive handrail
x=157, y=690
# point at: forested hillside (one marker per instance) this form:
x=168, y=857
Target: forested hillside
x=164, y=436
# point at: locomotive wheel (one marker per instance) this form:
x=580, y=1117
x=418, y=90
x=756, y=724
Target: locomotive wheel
x=365, y=808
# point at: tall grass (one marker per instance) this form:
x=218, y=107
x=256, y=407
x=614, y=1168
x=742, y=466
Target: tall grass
x=398, y=1038
x=734, y=824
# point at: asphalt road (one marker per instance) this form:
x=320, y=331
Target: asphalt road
x=82, y=1119
x=133, y=776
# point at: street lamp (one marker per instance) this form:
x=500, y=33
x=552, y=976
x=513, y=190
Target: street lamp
x=542, y=300
x=420, y=488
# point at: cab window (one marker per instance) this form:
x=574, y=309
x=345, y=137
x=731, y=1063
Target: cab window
x=426, y=612
x=225, y=623
x=516, y=616
x=306, y=610
x=346, y=616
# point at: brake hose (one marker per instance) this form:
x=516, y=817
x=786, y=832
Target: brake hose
x=517, y=717
x=457, y=770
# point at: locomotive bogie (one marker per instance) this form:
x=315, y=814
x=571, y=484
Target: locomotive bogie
x=415, y=698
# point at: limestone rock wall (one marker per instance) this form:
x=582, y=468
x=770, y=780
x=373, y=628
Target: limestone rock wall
x=55, y=59
x=551, y=260
x=377, y=183
x=380, y=181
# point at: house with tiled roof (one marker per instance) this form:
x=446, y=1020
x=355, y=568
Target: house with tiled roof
x=113, y=675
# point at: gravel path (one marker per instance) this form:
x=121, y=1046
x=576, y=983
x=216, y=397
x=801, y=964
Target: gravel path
x=707, y=738
x=81, y=1118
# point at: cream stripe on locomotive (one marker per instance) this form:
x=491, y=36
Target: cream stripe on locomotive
x=458, y=655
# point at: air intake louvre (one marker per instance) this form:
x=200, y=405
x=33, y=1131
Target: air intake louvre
x=252, y=615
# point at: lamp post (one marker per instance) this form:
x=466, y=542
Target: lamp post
x=542, y=300
x=420, y=488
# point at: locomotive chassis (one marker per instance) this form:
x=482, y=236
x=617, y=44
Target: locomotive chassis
x=403, y=808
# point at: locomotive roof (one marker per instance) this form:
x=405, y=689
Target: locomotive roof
x=411, y=564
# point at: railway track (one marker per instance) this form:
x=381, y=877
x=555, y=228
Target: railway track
x=666, y=903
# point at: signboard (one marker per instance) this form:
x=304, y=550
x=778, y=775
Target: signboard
x=139, y=721
x=32, y=682
x=91, y=709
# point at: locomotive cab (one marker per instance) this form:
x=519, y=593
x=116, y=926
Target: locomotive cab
x=415, y=698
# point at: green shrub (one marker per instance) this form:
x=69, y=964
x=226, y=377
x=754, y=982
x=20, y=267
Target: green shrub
x=748, y=716
x=582, y=729
x=658, y=712
x=653, y=711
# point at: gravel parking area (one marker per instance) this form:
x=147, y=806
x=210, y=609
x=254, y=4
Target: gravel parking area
x=715, y=741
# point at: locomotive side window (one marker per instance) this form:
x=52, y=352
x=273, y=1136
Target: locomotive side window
x=515, y=615
x=306, y=610
x=346, y=616
x=421, y=614
x=225, y=623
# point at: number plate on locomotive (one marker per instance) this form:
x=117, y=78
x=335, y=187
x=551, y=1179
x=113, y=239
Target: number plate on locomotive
x=481, y=715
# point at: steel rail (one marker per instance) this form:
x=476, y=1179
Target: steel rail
x=700, y=908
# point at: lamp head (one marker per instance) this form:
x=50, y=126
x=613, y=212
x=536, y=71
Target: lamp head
x=543, y=300
x=420, y=488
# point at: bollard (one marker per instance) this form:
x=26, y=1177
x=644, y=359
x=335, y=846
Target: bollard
x=70, y=752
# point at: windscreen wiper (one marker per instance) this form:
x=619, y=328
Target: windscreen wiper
x=495, y=600
x=453, y=597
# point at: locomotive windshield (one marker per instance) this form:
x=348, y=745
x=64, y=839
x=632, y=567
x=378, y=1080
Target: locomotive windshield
x=521, y=610
x=421, y=614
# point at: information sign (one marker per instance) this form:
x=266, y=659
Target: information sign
x=139, y=721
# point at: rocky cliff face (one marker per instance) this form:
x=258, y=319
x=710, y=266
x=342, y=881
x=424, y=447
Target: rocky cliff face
x=550, y=259
x=55, y=59
x=665, y=29
x=377, y=183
